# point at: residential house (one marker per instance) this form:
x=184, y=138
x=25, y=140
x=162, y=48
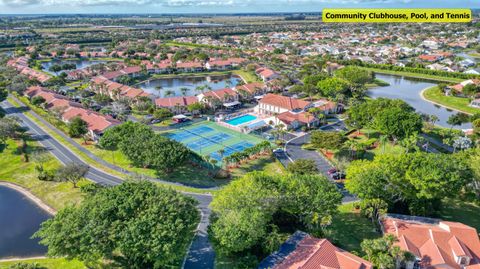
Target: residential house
x=301, y=250
x=178, y=104
x=189, y=66
x=457, y=89
x=97, y=123
x=435, y=243
x=219, y=65
x=475, y=103
x=430, y=57
x=227, y=97
x=266, y=74
x=274, y=104
x=250, y=90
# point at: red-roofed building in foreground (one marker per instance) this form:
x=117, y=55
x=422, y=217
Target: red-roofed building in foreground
x=304, y=251
x=435, y=243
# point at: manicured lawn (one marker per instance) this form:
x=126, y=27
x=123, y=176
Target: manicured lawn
x=464, y=212
x=94, y=163
x=414, y=75
x=188, y=174
x=434, y=94
x=264, y=163
x=476, y=55
x=15, y=170
x=349, y=229
x=248, y=76
x=48, y=263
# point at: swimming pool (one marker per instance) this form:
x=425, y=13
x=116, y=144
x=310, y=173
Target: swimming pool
x=241, y=120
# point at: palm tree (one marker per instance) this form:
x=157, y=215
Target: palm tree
x=169, y=93
x=184, y=90
x=158, y=88
x=433, y=119
x=221, y=152
x=383, y=141
x=352, y=146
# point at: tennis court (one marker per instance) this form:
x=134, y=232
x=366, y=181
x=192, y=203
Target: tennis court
x=207, y=138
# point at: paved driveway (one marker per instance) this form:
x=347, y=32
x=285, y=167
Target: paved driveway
x=294, y=152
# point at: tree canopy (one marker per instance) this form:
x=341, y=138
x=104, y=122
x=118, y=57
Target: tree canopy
x=134, y=225
x=250, y=208
x=417, y=181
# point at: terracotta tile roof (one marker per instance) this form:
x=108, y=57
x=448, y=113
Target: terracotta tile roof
x=265, y=72
x=289, y=117
x=284, y=102
x=435, y=242
x=251, y=87
x=304, y=251
x=189, y=65
x=174, y=101
x=220, y=94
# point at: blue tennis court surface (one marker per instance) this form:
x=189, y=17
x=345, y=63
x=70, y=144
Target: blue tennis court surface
x=199, y=144
x=231, y=149
x=208, y=138
x=200, y=130
x=219, y=137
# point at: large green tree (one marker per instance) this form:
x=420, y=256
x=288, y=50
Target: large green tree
x=134, y=225
x=417, y=180
x=327, y=140
x=77, y=127
x=398, y=123
x=248, y=209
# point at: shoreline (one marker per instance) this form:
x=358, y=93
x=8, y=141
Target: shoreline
x=20, y=259
x=439, y=104
x=30, y=196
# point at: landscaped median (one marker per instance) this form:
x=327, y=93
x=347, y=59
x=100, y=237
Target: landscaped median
x=436, y=96
x=87, y=159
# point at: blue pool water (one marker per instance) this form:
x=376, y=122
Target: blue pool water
x=241, y=120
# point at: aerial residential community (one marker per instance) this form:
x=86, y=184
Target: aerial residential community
x=248, y=134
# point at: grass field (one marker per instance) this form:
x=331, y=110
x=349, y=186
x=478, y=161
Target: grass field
x=414, y=75
x=249, y=77
x=349, y=229
x=15, y=170
x=108, y=157
x=434, y=94
x=207, y=138
x=464, y=212
x=49, y=263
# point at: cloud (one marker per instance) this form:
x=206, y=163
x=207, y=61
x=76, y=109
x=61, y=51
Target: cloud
x=185, y=3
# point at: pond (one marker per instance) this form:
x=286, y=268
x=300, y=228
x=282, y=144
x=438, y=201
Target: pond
x=20, y=219
x=408, y=89
x=165, y=87
x=80, y=64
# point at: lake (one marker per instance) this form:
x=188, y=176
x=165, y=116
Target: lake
x=20, y=218
x=408, y=89
x=80, y=64
x=176, y=84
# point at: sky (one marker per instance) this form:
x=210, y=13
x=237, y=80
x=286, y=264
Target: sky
x=213, y=6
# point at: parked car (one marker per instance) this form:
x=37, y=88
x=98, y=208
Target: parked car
x=338, y=175
x=332, y=171
x=278, y=150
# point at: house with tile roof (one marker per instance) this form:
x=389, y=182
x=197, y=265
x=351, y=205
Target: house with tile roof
x=274, y=104
x=177, y=104
x=250, y=90
x=436, y=244
x=266, y=74
x=97, y=123
x=301, y=250
x=225, y=96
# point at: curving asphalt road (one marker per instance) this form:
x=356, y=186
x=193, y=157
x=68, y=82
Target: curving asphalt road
x=200, y=254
